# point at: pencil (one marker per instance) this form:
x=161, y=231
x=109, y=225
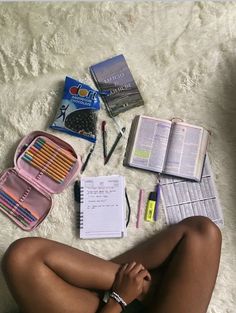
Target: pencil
x=44, y=166
x=9, y=211
x=53, y=155
x=54, y=148
x=47, y=172
x=46, y=160
x=11, y=196
x=17, y=207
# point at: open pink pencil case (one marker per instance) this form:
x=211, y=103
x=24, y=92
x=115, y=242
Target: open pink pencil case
x=44, y=165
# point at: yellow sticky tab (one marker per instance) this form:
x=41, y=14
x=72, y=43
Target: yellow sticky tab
x=150, y=211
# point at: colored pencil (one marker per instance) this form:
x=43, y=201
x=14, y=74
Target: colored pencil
x=9, y=211
x=47, y=172
x=47, y=161
x=17, y=207
x=56, y=162
x=45, y=167
x=53, y=148
x=10, y=195
x=56, y=157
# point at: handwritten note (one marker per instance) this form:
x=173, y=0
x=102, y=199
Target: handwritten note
x=102, y=207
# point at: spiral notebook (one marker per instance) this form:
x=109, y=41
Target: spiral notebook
x=102, y=207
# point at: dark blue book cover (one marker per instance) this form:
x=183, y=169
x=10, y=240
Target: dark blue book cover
x=114, y=75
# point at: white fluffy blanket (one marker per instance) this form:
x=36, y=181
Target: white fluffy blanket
x=182, y=56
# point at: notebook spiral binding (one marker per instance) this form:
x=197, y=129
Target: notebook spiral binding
x=80, y=220
x=81, y=214
x=79, y=198
x=81, y=194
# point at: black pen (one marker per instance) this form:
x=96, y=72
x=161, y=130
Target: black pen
x=87, y=159
x=104, y=139
x=114, y=145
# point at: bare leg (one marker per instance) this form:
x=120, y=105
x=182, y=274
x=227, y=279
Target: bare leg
x=58, y=278
x=190, y=252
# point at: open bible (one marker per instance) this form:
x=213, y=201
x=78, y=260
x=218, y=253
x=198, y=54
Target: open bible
x=170, y=147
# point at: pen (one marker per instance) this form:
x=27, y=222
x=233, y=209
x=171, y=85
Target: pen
x=157, y=198
x=140, y=207
x=157, y=202
x=114, y=145
x=87, y=159
x=104, y=139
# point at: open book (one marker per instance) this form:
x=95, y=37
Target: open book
x=102, y=207
x=170, y=147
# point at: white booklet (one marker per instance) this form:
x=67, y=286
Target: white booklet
x=102, y=207
x=168, y=147
x=182, y=198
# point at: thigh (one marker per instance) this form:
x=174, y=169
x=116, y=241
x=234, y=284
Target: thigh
x=189, y=276
x=46, y=276
x=42, y=290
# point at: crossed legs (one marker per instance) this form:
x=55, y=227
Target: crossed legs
x=46, y=276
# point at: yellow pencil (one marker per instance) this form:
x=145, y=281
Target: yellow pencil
x=54, y=148
x=55, y=156
x=46, y=165
x=45, y=159
x=49, y=173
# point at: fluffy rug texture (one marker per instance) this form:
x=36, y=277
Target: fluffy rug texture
x=182, y=56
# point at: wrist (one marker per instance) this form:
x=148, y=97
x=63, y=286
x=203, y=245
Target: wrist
x=117, y=298
x=114, y=305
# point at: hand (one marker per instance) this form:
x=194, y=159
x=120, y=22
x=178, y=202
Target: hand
x=130, y=280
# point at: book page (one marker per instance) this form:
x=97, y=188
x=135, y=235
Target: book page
x=184, y=151
x=149, y=148
x=102, y=207
x=182, y=198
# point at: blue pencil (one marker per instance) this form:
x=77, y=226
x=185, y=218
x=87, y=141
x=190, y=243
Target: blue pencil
x=19, y=209
x=23, y=211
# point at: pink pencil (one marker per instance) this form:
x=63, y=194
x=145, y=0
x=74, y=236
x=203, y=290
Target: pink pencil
x=140, y=207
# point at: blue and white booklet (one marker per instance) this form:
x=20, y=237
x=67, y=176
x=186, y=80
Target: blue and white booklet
x=183, y=198
x=114, y=75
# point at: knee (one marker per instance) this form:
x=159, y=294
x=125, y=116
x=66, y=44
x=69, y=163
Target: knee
x=204, y=228
x=19, y=255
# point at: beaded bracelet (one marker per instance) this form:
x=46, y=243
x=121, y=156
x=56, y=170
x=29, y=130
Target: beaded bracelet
x=118, y=299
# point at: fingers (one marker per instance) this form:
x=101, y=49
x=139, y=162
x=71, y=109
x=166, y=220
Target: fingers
x=123, y=268
x=131, y=266
x=127, y=267
x=136, y=269
x=144, y=274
